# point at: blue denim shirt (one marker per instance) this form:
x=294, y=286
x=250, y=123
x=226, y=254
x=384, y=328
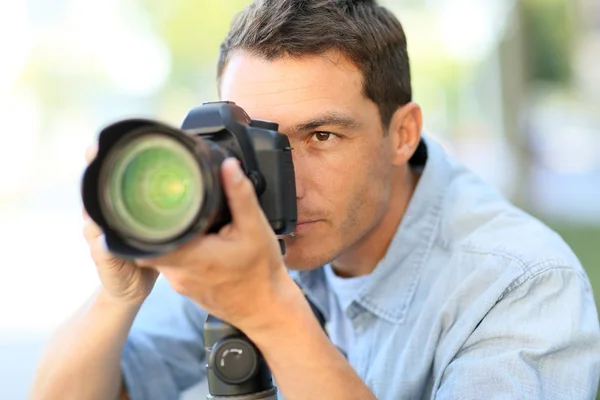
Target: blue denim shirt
x=474, y=299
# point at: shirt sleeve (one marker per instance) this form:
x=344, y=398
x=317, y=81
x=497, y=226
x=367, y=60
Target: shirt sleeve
x=164, y=353
x=540, y=341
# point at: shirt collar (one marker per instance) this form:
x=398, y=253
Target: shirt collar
x=390, y=290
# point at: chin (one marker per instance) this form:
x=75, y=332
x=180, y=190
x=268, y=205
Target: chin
x=304, y=254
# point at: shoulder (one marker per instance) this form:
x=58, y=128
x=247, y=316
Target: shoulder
x=485, y=234
x=505, y=274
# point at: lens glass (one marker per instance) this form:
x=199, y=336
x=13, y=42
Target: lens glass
x=153, y=187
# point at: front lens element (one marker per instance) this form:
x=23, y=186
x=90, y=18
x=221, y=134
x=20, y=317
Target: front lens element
x=153, y=187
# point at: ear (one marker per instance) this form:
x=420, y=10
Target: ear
x=405, y=132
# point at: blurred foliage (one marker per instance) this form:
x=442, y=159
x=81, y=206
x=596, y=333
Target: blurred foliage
x=549, y=39
x=584, y=241
x=194, y=49
x=193, y=31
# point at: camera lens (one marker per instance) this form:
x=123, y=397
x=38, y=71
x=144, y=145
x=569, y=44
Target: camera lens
x=151, y=187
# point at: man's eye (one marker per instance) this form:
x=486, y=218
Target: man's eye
x=322, y=136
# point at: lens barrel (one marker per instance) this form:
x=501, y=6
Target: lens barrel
x=152, y=186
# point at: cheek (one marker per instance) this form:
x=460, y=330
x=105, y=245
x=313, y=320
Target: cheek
x=345, y=172
x=371, y=191
x=371, y=187
x=358, y=183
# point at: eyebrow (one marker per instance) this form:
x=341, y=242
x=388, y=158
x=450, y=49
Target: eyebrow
x=334, y=118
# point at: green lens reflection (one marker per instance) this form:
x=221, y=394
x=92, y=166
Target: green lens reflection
x=154, y=187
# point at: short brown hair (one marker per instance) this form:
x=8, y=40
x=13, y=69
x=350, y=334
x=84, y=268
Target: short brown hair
x=365, y=32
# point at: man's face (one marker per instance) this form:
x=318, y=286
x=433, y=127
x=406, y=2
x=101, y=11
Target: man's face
x=342, y=158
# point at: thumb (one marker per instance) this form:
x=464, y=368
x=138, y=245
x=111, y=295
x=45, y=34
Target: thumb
x=246, y=213
x=90, y=152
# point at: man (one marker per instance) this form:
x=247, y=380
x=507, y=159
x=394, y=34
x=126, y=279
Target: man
x=432, y=284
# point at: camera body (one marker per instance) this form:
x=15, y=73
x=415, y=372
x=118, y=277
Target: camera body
x=265, y=156
x=211, y=132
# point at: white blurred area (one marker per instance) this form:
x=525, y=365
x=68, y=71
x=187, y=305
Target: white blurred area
x=69, y=67
x=66, y=69
x=45, y=133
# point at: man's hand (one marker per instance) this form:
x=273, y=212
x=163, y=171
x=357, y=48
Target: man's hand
x=238, y=275
x=121, y=280
x=239, y=272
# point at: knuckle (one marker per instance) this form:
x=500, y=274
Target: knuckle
x=144, y=262
x=101, y=255
x=98, y=257
x=113, y=262
x=91, y=231
x=87, y=231
x=97, y=251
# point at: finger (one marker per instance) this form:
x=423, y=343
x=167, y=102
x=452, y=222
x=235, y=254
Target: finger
x=180, y=256
x=98, y=248
x=146, y=262
x=194, y=252
x=91, y=231
x=102, y=257
x=241, y=196
x=174, y=258
x=90, y=152
x=145, y=265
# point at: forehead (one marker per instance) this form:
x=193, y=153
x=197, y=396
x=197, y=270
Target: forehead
x=286, y=87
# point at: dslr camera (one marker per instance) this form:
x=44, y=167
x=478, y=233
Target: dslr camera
x=153, y=187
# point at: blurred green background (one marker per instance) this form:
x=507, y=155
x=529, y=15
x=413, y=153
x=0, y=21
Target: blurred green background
x=510, y=87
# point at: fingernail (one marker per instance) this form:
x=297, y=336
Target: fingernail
x=239, y=174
